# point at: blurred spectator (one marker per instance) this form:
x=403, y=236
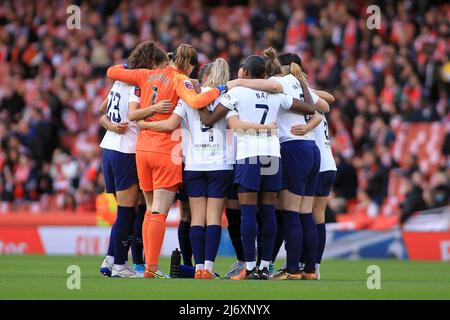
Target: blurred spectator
x=52, y=81
x=414, y=200
x=373, y=182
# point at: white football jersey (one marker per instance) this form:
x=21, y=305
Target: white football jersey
x=256, y=107
x=117, y=111
x=204, y=148
x=327, y=162
x=286, y=119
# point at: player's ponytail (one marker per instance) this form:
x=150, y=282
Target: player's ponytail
x=273, y=65
x=219, y=73
x=297, y=72
x=291, y=63
x=185, y=58
x=147, y=55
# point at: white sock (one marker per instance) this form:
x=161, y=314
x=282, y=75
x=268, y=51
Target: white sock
x=209, y=265
x=250, y=265
x=119, y=267
x=264, y=264
x=110, y=259
x=199, y=267
x=317, y=266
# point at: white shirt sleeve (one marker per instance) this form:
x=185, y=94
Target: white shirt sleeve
x=180, y=109
x=229, y=100
x=286, y=101
x=134, y=94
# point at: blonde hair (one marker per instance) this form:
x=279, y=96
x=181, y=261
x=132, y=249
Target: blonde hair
x=273, y=65
x=185, y=58
x=296, y=71
x=219, y=73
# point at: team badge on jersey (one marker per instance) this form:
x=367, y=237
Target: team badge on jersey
x=137, y=91
x=188, y=85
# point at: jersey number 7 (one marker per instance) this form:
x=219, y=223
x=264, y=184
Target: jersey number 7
x=265, y=108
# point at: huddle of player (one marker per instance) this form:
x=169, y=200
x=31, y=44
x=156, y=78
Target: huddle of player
x=272, y=169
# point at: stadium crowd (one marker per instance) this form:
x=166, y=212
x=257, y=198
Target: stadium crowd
x=52, y=80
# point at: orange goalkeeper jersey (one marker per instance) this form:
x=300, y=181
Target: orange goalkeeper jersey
x=157, y=85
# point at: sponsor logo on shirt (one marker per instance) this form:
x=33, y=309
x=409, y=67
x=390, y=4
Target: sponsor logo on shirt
x=188, y=85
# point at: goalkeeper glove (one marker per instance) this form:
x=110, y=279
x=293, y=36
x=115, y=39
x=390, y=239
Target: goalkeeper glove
x=222, y=88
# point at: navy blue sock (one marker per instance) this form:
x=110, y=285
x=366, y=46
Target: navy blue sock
x=249, y=230
x=187, y=271
x=310, y=240
x=268, y=231
x=197, y=236
x=185, y=242
x=213, y=234
x=280, y=236
x=293, y=237
x=124, y=220
x=322, y=235
x=259, y=238
x=128, y=244
x=111, y=241
x=234, y=230
x=130, y=236
x=137, y=246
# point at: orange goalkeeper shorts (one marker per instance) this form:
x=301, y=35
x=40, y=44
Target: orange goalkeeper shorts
x=158, y=171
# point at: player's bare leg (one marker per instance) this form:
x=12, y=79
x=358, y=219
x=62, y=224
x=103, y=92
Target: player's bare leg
x=319, y=206
x=128, y=197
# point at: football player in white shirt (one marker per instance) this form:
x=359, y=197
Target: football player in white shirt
x=301, y=162
x=208, y=167
x=233, y=211
x=119, y=162
x=257, y=172
x=327, y=170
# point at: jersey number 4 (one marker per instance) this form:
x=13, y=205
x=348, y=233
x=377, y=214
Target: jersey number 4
x=265, y=108
x=113, y=107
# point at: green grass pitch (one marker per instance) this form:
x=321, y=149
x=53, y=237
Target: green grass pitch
x=44, y=277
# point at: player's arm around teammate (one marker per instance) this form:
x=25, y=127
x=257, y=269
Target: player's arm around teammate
x=158, y=153
x=257, y=171
x=300, y=161
x=119, y=164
